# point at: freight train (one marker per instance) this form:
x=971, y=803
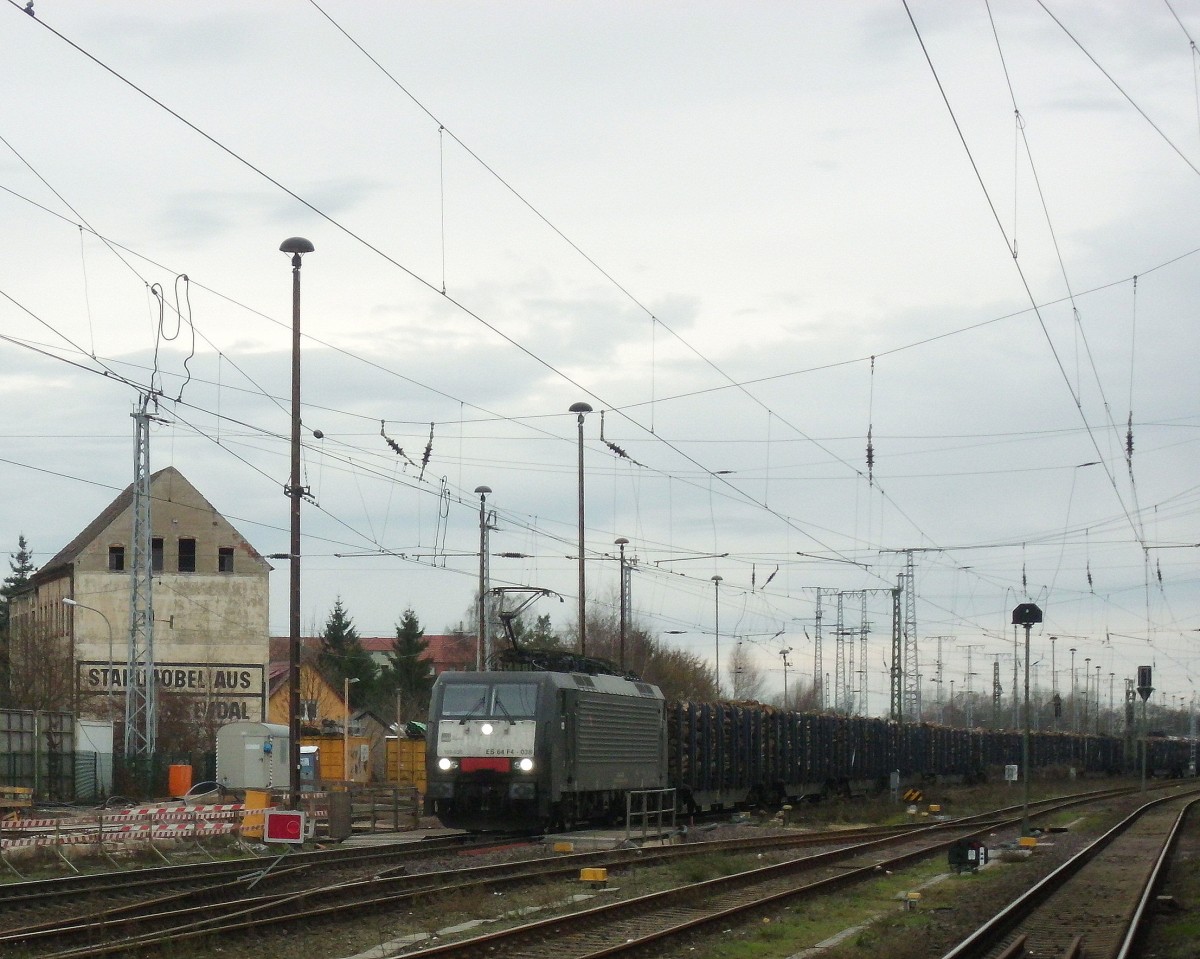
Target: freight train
x=531, y=750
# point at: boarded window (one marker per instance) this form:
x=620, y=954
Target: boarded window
x=187, y=556
x=156, y=553
x=116, y=558
x=225, y=559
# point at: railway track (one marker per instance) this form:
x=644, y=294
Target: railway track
x=1097, y=903
x=226, y=909
x=110, y=890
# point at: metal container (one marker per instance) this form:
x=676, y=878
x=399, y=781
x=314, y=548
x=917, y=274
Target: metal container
x=253, y=756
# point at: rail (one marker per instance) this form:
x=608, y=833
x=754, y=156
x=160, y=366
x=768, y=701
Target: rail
x=1009, y=920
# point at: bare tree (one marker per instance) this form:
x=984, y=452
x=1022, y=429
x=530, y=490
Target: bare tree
x=186, y=724
x=802, y=697
x=41, y=673
x=679, y=674
x=747, y=679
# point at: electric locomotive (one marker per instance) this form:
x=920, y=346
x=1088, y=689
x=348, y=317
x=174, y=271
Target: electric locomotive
x=529, y=750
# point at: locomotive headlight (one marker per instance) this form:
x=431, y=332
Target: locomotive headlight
x=486, y=729
x=445, y=764
x=525, y=764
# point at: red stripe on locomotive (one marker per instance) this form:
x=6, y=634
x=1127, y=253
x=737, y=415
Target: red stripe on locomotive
x=474, y=765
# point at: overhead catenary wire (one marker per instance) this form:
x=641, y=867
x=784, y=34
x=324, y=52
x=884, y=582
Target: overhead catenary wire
x=345, y=229
x=652, y=420
x=1020, y=272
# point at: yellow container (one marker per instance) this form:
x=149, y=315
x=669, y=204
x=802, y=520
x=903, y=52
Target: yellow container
x=332, y=765
x=406, y=762
x=257, y=802
x=1027, y=842
x=593, y=875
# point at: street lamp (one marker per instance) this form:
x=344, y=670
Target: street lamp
x=71, y=602
x=784, y=654
x=346, y=726
x=717, y=628
x=1087, y=690
x=483, y=650
x=297, y=246
x=1026, y=615
x=622, y=542
x=581, y=408
x=1074, y=696
x=1145, y=687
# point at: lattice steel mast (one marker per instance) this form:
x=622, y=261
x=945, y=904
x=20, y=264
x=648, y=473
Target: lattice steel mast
x=818, y=665
x=912, y=666
x=864, y=685
x=841, y=683
x=141, y=700
x=896, y=711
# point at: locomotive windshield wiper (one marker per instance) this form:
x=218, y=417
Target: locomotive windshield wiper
x=471, y=712
x=507, y=714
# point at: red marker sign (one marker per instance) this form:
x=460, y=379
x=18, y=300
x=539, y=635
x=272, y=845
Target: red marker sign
x=284, y=825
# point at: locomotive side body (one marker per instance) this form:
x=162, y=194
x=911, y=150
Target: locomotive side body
x=529, y=750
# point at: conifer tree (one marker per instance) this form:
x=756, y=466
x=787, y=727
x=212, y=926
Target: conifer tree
x=343, y=657
x=410, y=673
x=21, y=565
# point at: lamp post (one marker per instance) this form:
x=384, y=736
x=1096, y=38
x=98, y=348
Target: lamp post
x=1057, y=705
x=1074, y=696
x=1087, y=690
x=1112, y=716
x=621, y=541
x=1026, y=615
x=482, y=651
x=717, y=629
x=784, y=653
x=67, y=601
x=297, y=246
x=346, y=726
x=1145, y=687
x=580, y=409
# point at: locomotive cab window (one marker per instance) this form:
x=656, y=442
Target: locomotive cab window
x=481, y=701
x=465, y=699
x=516, y=702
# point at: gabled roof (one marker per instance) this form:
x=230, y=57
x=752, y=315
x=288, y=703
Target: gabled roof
x=124, y=501
x=69, y=553
x=278, y=672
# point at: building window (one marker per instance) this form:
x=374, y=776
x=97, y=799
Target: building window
x=225, y=559
x=308, y=710
x=156, y=553
x=116, y=558
x=187, y=555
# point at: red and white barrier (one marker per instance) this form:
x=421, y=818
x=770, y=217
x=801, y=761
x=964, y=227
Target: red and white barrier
x=125, y=833
x=146, y=822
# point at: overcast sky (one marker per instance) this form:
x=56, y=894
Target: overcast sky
x=753, y=235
